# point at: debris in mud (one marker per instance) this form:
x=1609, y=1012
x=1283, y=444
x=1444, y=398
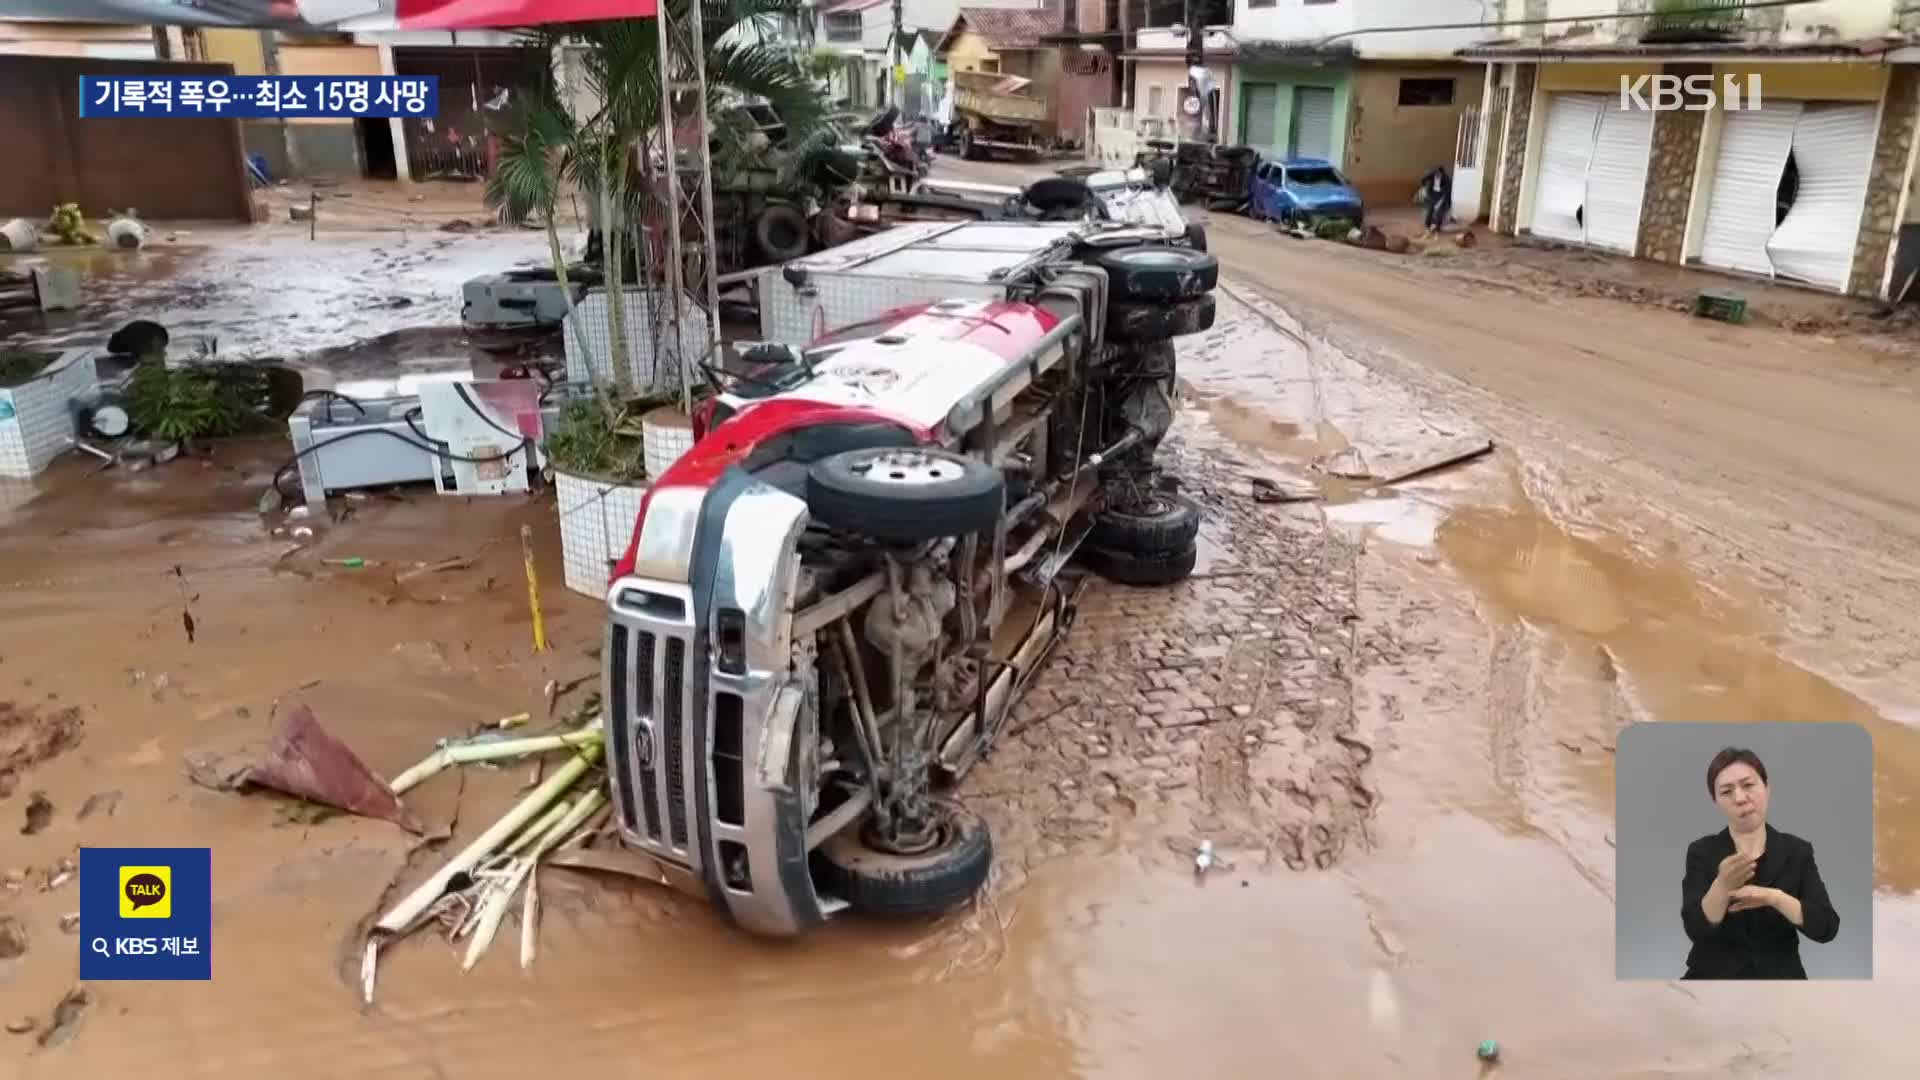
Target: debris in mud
x=21, y=1026
x=305, y=760
x=563, y=811
x=1488, y=1051
x=39, y=813
x=458, y=225
x=186, y=621
x=60, y=873
x=70, y=923
x=1458, y=454
x=215, y=772
x=29, y=736
x=100, y=802
x=13, y=937
x=1267, y=491
x=66, y=1018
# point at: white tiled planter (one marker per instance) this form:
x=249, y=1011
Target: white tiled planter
x=36, y=419
x=654, y=358
x=596, y=524
x=666, y=434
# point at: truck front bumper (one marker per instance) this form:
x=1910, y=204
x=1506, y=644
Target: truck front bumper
x=703, y=761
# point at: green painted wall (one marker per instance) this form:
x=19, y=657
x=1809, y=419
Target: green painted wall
x=1284, y=79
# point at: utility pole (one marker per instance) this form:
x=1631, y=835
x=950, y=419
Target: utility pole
x=896, y=88
x=1197, y=60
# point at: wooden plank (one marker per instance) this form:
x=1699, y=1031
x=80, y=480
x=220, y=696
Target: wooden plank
x=1456, y=454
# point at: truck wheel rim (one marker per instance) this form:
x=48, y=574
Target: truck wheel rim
x=905, y=468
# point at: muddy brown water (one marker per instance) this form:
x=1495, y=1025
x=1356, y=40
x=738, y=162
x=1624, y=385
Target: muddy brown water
x=1462, y=919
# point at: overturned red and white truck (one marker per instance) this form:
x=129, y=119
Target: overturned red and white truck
x=832, y=602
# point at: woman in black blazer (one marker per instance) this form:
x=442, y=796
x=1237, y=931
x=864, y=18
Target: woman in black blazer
x=1750, y=890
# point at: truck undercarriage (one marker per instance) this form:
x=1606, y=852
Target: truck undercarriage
x=831, y=605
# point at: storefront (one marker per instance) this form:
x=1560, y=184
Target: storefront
x=1590, y=180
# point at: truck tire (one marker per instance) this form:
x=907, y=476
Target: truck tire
x=1058, y=193
x=1158, y=272
x=1161, y=524
x=1123, y=568
x=876, y=882
x=905, y=494
x=965, y=138
x=1158, y=322
x=780, y=231
x=1197, y=237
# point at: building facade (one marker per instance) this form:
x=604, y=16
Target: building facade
x=1372, y=86
x=1798, y=168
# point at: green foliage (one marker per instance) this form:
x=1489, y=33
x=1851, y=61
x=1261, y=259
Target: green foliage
x=1333, y=228
x=17, y=366
x=68, y=225
x=198, y=400
x=596, y=438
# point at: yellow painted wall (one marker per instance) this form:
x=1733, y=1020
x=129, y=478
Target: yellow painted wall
x=1811, y=82
x=328, y=60
x=241, y=48
x=967, y=52
x=1591, y=78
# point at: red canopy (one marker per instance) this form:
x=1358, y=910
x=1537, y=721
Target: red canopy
x=337, y=15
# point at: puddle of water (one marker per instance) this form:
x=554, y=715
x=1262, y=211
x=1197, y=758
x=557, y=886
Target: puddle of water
x=1408, y=521
x=1684, y=653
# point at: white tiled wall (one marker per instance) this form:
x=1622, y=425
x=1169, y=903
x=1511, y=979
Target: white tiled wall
x=36, y=421
x=644, y=313
x=596, y=524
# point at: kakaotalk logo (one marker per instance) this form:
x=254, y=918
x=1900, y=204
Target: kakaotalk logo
x=145, y=892
x=1691, y=93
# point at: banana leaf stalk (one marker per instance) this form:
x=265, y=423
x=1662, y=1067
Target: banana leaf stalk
x=494, y=907
x=462, y=753
x=426, y=897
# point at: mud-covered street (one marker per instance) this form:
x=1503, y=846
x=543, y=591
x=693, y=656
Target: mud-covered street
x=1392, y=709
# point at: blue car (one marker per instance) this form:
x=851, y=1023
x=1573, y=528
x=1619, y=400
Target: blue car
x=1303, y=191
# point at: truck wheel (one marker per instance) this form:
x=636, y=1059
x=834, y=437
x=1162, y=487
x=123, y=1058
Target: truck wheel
x=1153, y=272
x=781, y=233
x=1058, y=193
x=1157, y=322
x=967, y=152
x=1159, y=524
x=905, y=494
x=1143, y=570
x=1197, y=237
x=930, y=883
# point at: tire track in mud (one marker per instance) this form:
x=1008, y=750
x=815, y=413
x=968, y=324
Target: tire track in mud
x=1221, y=708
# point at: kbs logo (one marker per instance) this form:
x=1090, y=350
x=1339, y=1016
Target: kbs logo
x=146, y=892
x=1693, y=93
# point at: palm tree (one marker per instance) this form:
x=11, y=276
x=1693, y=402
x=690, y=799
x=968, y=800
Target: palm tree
x=615, y=152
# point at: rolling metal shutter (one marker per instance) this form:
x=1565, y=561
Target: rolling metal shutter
x=1262, y=104
x=1833, y=149
x=1565, y=153
x=1313, y=122
x=1754, y=144
x=1617, y=178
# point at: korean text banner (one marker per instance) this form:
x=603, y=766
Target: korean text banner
x=146, y=914
x=251, y=96
x=339, y=15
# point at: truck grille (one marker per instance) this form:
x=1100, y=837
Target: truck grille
x=646, y=711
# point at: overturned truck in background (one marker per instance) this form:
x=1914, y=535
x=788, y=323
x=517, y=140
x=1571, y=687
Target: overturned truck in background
x=831, y=604
x=996, y=114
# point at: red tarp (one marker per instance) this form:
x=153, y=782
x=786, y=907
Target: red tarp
x=337, y=15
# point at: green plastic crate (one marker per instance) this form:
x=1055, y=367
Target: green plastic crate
x=1723, y=306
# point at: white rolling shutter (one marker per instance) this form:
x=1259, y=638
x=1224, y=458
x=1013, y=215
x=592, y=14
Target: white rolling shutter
x=1617, y=177
x=1262, y=104
x=1313, y=122
x=1746, y=183
x=1565, y=152
x=1833, y=150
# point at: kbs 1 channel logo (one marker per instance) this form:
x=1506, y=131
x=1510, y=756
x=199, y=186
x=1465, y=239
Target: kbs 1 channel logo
x=146, y=914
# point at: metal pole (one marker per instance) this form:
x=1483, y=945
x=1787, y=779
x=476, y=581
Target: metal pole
x=676, y=307
x=895, y=89
x=709, y=254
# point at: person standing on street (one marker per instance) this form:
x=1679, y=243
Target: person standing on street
x=1436, y=192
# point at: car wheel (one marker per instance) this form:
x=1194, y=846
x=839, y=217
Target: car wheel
x=1197, y=237
x=1125, y=568
x=1151, y=272
x=1158, y=524
x=1158, y=322
x=905, y=494
x=927, y=883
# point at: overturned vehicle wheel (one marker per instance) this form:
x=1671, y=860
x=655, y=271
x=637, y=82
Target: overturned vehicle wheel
x=1156, y=524
x=905, y=494
x=1128, y=321
x=938, y=878
x=1159, y=273
x=1128, y=568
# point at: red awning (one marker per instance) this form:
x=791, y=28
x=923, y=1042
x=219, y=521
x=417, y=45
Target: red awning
x=335, y=15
